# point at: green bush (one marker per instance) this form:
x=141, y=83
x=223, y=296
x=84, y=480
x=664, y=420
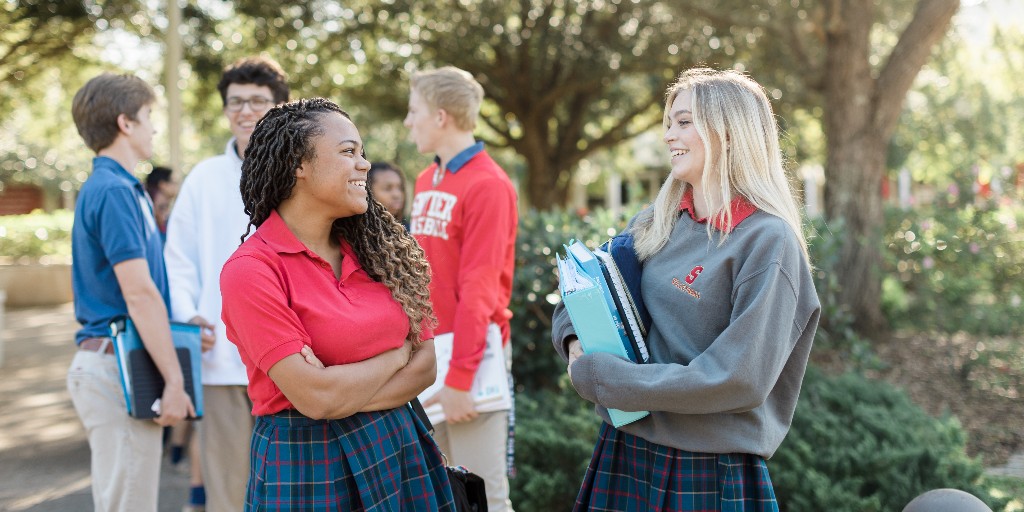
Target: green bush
x=37, y=236
x=955, y=269
x=862, y=445
x=555, y=436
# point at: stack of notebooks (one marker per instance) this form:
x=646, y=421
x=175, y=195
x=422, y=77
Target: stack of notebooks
x=141, y=381
x=603, y=310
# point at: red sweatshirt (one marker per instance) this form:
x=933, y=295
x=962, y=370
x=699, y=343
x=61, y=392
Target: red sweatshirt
x=467, y=228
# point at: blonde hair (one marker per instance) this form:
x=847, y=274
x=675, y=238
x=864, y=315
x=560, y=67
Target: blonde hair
x=451, y=89
x=734, y=120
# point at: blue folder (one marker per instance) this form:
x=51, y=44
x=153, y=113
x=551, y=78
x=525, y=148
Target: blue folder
x=141, y=381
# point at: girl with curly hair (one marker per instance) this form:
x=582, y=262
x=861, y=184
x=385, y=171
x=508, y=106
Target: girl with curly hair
x=327, y=272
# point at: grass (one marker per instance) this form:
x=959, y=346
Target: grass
x=1008, y=486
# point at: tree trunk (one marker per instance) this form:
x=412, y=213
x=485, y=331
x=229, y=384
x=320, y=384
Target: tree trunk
x=545, y=188
x=855, y=162
x=547, y=174
x=861, y=113
x=856, y=166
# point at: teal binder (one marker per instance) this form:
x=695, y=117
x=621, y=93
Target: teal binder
x=141, y=381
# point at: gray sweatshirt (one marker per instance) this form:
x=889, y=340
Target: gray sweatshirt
x=732, y=330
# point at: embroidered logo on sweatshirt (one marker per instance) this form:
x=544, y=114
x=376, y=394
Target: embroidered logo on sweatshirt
x=692, y=276
x=685, y=287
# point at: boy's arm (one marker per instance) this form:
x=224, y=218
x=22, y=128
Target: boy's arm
x=489, y=217
x=148, y=312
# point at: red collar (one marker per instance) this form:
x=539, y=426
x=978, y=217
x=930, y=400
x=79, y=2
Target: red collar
x=275, y=233
x=740, y=208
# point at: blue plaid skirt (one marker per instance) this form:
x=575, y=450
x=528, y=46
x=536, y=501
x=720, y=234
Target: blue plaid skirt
x=373, y=461
x=631, y=473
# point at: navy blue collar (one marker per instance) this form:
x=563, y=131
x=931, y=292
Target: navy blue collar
x=461, y=159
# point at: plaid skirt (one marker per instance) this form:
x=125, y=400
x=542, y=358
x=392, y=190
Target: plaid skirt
x=631, y=473
x=373, y=461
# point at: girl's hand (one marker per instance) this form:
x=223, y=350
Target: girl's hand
x=307, y=354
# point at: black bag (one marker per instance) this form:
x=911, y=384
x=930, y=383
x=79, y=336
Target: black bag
x=467, y=488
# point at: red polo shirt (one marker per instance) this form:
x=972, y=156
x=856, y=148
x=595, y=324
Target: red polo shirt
x=278, y=296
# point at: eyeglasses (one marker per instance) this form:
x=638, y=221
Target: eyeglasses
x=256, y=103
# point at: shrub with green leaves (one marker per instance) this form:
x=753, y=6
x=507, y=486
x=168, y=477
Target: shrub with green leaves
x=37, y=236
x=955, y=269
x=859, y=445
x=555, y=435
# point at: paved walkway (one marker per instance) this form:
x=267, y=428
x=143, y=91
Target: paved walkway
x=44, y=455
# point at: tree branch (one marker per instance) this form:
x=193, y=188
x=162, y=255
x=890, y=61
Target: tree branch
x=717, y=16
x=500, y=130
x=618, y=133
x=930, y=23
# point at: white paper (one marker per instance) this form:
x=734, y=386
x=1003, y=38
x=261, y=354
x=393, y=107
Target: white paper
x=490, y=385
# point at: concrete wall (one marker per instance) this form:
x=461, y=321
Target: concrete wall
x=36, y=284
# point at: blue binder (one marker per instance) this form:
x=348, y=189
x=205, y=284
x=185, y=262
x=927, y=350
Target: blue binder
x=620, y=247
x=141, y=381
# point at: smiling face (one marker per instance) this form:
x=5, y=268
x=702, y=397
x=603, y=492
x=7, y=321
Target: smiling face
x=334, y=180
x=243, y=121
x=685, y=147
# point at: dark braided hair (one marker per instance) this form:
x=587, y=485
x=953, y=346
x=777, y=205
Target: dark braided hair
x=282, y=140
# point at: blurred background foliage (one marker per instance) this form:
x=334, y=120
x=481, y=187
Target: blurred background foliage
x=568, y=83
x=565, y=81
x=37, y=237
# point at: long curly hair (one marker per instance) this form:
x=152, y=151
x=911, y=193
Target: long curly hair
x=282, y=140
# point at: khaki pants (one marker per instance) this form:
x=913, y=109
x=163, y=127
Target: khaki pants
x=125, y=452
x=224, y=436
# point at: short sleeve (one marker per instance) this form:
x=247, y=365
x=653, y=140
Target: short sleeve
x=256, y=311
x=121, y=225
x=426, y=332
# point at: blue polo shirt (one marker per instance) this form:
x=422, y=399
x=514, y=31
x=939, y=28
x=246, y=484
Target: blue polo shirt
x=113, y=223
